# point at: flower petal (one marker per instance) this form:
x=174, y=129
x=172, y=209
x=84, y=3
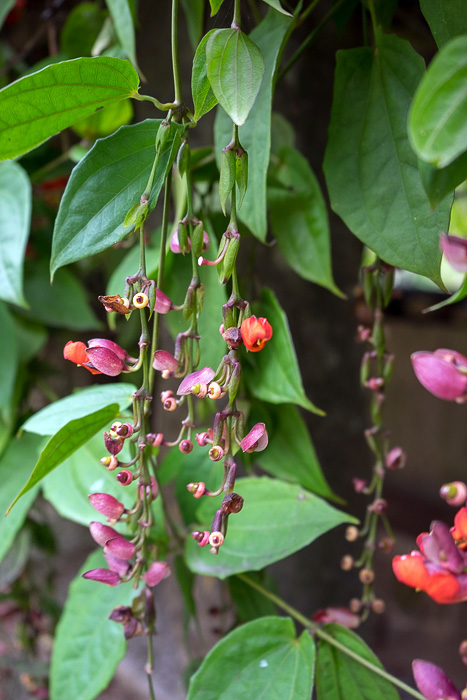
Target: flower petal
x=455, y=251
x=201, y=376
x=439, y=376
x=433, y=682
x=111, y=578
x=156, y=572
x=256, y=440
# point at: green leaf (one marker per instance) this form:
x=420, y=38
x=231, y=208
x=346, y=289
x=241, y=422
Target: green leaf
x=277, y=6
x=90, y=218
x=81, y=30
x=55, y=416
x=61, y=305
x=290, y=454
x=339, y=677
x=65, y=442
x=194, y=14
x=453, y=299
x=370, y=169
x=439, y=182
x=437, y=123
x=254, y=538
x=447, y=18
x=124, y=27
x=263, y=659
x=68, y=488
x=15, y=217
x=9, y=363
x=251, y=604
x=15, y=466
x=30, y=338
x=255, y=135
x=105, y=122
x=5, y=8
x=88, y=646
x=235, y=70
x=299, y=206
x=215, y=6
x=36, y=107
x=227, y=176
x=273, y=374
x=203, y=96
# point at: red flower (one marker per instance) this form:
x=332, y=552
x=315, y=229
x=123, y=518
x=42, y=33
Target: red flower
x=439, y=568
x=101, y=356
x=255, y=333
x=76, y=352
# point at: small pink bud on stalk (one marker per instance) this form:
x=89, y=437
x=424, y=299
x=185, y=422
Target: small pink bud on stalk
x=202, y=538
x=111, y=578
x=197, y=489
x=125, y=477
x=156, y=573
x=256, y=440
x=396, y=458
x=455, y=493
x=107, y=505
x=119, y=547
x=342, y=616
x=443, y=373
x=433, y=682
x=185, y=446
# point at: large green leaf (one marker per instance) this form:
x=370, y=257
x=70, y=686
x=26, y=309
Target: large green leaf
x=262, y=659
x=370, y=169
x=124, y=26
x=255, y=539
x=290, y=454
x=439, y=182
x=88, y=646
x=9, y=363
x=41, y=104
x=339, y=677
x=437, y=123
x=203, y=96
x=255, y=135
x=235, y=69
x=298, y=206
x=15, y=216
x=194, y=14
x=273, y=374
x=277, y=6
x=90, y=218
x=52, y=418
x=61, y=305
x=68, y=488
x=65, y=442
x=15, y=466
x=447, y=18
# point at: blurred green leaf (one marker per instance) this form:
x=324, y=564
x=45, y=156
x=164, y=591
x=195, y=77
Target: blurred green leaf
x=277, y=6
x=371, y=170
x=194, y=12
x=447, y=18
x=15, y=218
x=5, y=8
x=339, y=677
x=52, y=418
x=437, y=123
x=88, y=646
x=9, y=363
x=105, y=122
x=215, y=6
x=36, y=107
x=235, y=69
x=277, y=520
x=124, y=27
x=439, y=182
x=263, y=658
x=273, y=374
x=81, y=29
x=16, y=464
x=249, y=603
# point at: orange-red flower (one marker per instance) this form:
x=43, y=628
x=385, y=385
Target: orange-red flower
x=439, y=569
x=100, y=356
x=76, y=352
x=255, y=333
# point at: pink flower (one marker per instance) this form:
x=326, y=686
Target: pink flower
x=107, y=505
x=175, y=243
x=343, y=616
x=455, y=251
x=201, y=376
x=256, y=440
x=102, y=533
x=443, y=373
x=432, y=682
x=111, y=578
x=101, y=356
x=164, y=361
x=119, y=547
x=163, y=304
x=156, y=572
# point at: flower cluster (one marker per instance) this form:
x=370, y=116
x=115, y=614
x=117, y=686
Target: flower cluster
x=440, y=567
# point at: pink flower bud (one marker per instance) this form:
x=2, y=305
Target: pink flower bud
x=102, y=533
x=120, y=566
x=113, y=444
x=396, y=458
x=455, y=493
x=432, y=682
x=156, y=572
x=107, y=505
x=201, y=376
x=125, y=477
x=111, y=578
x=119, y=547
x=165, y=361
x=163, y=303
x=256, y=440
x=185, y=446
x=443, y=373
x=106, y=356
x=202, y=538
x=455, y=251
x=343, y=616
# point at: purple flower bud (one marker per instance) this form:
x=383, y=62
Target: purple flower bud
x=104, y=358
x=164, y=360
x=175, y=243
x=163, y=303
x=443, y=373
x=455, y=251
x=343, y=616
x=396, y=458
x=201, y=376
x=120, y=566
x=120, y=547
x=107, y=505
x=114, y=445
x=256, y=440
x=455, y=493
x=102, y=533
x=111, y=578
x=156, y=572
x=432, y=682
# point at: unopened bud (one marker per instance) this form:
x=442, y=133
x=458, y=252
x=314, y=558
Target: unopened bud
x=366, y=576
x=170, y=404
x=202, y=538
x=203, y=439
x=355, y=605
x=379, y=506
x=396, y=458
x=359, y=485
x=214, y=390
x=216, y=539
x=185, y=446
x=125, y=477
x=155, y=438
x=378, y=606
x=347, y=562
x=386, y=545
x=197, y=489
x=454, y=493
x=351, y=533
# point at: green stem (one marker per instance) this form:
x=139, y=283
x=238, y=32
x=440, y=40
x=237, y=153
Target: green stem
x=163, y=106
x=142, y=251
x=160, y=273
x=374, y=22
x=307, y=12
x=319, y=632
x=175, y=61
x=152, y=175
x=309, y=40
x=237, y=18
